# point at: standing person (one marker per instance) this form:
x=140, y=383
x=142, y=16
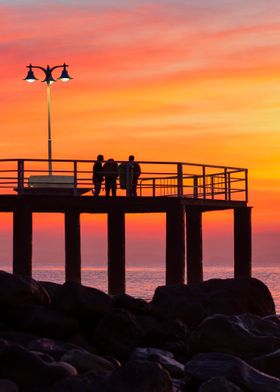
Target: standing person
x=97, y=176
x=135, y=174
x=111, y=173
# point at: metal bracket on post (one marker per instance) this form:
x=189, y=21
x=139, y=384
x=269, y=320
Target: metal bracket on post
x=180, y=180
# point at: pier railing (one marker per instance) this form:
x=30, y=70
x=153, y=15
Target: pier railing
x=165, y=179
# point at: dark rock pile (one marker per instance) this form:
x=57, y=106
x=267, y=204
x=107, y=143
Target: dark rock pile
x=220, y=335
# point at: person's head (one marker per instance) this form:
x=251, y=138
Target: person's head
x=131, y=158
x=100, y=158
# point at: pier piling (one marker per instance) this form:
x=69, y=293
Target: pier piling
x=116, y=252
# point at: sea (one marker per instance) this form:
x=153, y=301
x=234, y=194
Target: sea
x=142, y=281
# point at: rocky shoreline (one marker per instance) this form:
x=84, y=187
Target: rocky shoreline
x=219, y=335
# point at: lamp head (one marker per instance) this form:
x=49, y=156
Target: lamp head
x=64, y=77
x=30, y=77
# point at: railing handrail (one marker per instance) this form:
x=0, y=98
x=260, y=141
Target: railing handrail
x=125, y=161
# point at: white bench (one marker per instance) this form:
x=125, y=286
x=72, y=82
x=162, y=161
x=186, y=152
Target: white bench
x=51, y=182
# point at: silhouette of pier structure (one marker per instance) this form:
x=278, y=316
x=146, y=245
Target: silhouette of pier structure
x=183, y=191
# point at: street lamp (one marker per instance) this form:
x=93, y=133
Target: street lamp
x=64, y=77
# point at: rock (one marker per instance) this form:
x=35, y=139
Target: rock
x=87, y=304
x=51, y=347
x=245, y=335
x=164, y=358
x=16, y=290
x=170, y=335
x=220, y=384
x=84, y=361
x=135, y=306
x=28, y=371
x=140, y=376
x=205, y=366
x=192, y=303
x=117, y=333
x=43, y=321
x=8, y=386
x=269, y=363
x=87, y=382
x=51, y=288
x=19, y=338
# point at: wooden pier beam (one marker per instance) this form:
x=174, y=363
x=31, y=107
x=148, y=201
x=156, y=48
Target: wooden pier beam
x=22, y=239
x=194, y=245
x=175, y=245
x=72, y=246
x=116, y=252
x=242, y=242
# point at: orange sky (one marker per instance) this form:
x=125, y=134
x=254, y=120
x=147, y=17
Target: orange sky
x=165, y=80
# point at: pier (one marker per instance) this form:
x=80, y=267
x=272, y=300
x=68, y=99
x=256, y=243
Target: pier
x=183, y=191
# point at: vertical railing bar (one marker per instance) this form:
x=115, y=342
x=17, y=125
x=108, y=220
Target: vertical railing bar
x=229, y=186
x=225, y=182
x=246, y=185
x=20, y=176
x=212, y=186
x=179, y=180
x=75, y=177
x=204, y=181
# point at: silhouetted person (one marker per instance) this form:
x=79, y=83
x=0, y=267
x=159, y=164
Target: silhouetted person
x=136, y=171
x=97, y=177
x=111, y=173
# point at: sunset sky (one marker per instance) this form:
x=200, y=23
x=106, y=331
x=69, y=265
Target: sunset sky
x=171, y=80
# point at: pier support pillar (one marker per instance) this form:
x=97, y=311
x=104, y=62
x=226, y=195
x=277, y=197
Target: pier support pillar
x=242, y=242
x=194, y=245
x=116, y=252
x=175, y=245
x=72, y=247
x=22, y=239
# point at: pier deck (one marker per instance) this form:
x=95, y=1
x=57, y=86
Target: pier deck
x=182, y=191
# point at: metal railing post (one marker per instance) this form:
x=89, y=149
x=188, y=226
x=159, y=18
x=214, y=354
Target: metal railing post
x=226, y=184
x=20, y=176
x=75, y=177
x=195, y=187
x=180, y=180
x=246, y=185
x=154, y=187
x=229, y=186
x=213, y=186
x=204, y=181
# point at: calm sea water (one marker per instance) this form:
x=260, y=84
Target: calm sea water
x=141, y=282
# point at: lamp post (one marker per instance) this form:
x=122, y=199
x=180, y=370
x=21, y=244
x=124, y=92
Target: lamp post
x=64, y=77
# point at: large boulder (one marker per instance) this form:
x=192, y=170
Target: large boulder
x=170, y=335
x=84, y=362
x=205, y=366
x=53, y=348
x=219, y=384
x=136, y=306
x=245, y=335
x=16, y=290
x=42, y=321
x=268, y=363
x=140, y=376
x=28, y=371
x=86, y=382
x=87, y=304
x=192, y=303
x=164, y=358
x=117, y=333
x=8, y=386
